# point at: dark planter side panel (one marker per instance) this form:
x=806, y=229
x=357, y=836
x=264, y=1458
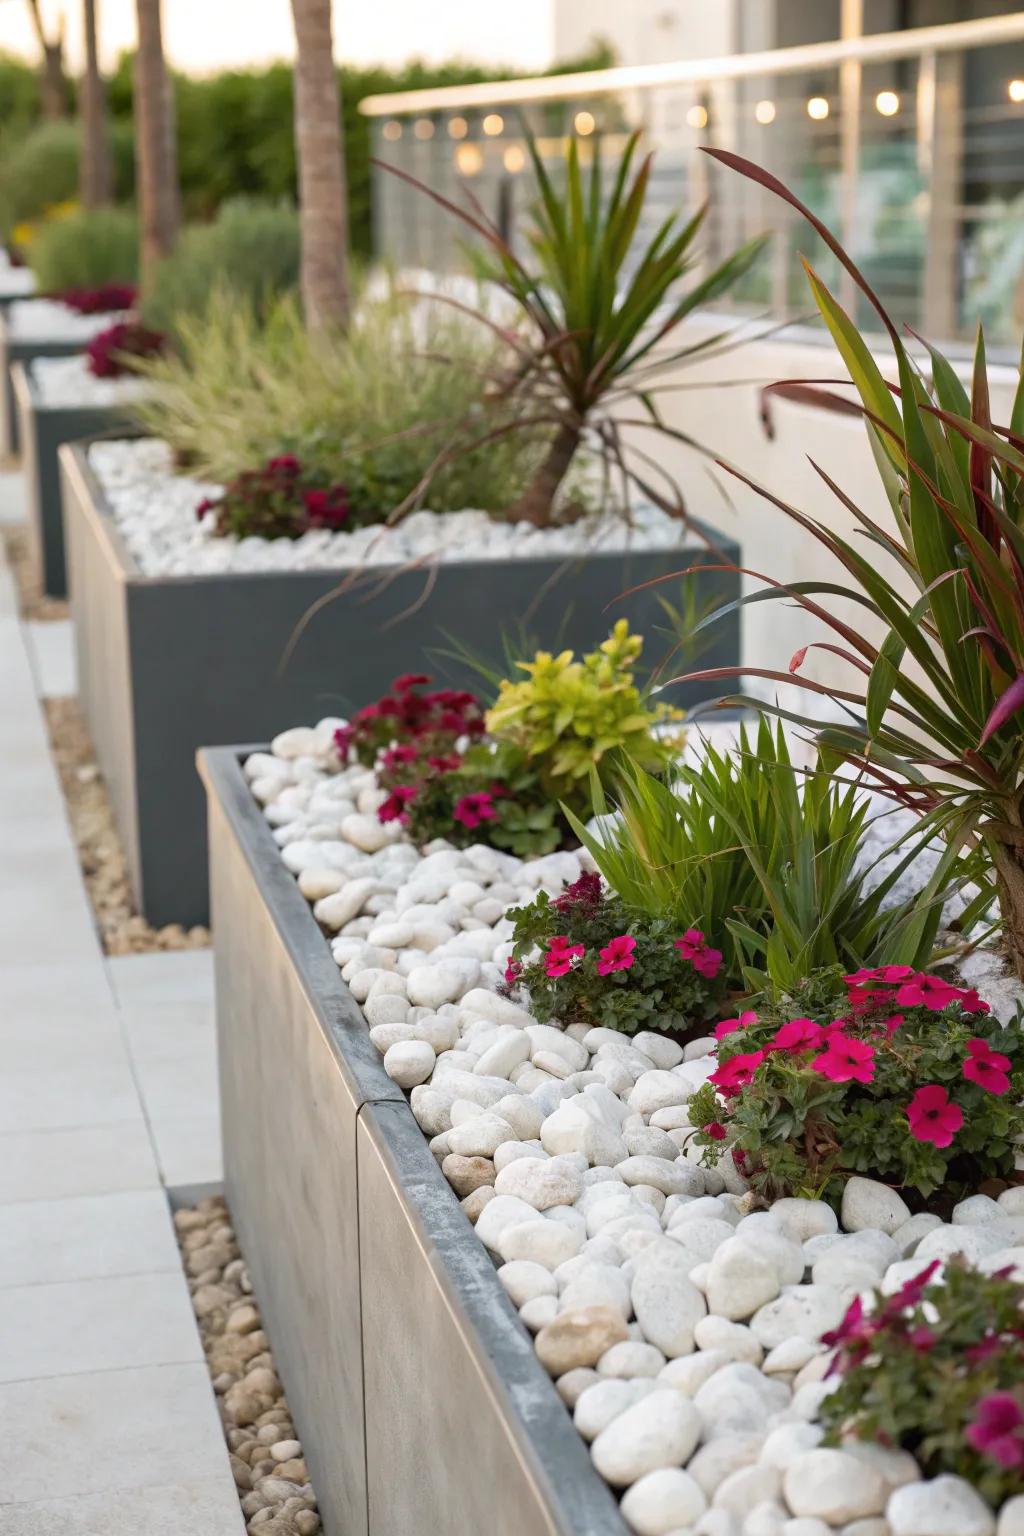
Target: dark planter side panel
x=12, y=352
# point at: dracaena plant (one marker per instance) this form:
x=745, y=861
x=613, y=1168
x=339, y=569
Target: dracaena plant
x=596, y=306
x=935, y=713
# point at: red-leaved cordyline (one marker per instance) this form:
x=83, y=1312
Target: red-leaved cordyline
x=932, y=1117
x=617, y=955
x=986, y=1067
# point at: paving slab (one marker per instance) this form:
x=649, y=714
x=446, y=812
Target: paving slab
x=51, y=645
x=89, y=1237
x=85, y=1160
x=199, y=1508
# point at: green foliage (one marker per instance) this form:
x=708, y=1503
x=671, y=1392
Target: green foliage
x=39, y=169
x=251, y=248
x=491, y=792
x=768, y=858
x=372, y=409
x=657, y=987
x=569, y=715
x=918, y=1370
x=87, y=249
x=20, y=103
x=804, y=1118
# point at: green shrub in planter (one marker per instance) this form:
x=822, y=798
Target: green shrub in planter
x=938, y=1370
x=86, y=249
x=251, y=249
x=892, y=1073
x=39, y=170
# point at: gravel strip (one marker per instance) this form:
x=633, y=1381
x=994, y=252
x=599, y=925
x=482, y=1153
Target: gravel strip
x=58, y=381
x=122, y=930
x=266, y=1457
x=32, y=600
x=51, y=320
x=155, y=511
x=680, y=1323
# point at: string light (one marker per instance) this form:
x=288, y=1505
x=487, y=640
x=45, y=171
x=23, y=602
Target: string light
x=493, y=124
x=458, y=128
x=392, y=131
x=584, y=123
x=888, y=103
x=423, y=128
x=468, y=159
x=513, y=159
x=1015, y=90
x=818, y=108
x=764, y=112
x=697, y=117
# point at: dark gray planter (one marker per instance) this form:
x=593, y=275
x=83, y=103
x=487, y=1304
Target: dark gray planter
x=13, y=351
x=42, y=429
x=415, y=1390
x=169, y=664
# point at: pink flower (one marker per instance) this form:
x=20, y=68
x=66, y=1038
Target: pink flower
x=446, y=763
x=716, y=1130
x=693, y=947
x=998, y=1429
x=736, y=1073
x=797, y=1035
x=921, y=1339
x=932, y=1117
x=617, y=955
x=855, y=1333
x=923, y=991
x=845, y=1061
x=730, y=1026
x=512, y=973
x=987, y=1067
x=560, y=956
x=394, y=807
x=892, y=1023
x=471, y=810
x=394, y=756
x=911, y=1291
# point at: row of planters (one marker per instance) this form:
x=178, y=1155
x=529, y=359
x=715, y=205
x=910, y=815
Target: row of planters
x=722, y=1058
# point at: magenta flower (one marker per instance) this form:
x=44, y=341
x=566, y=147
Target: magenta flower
x=512, y=973
x=705, y=960
x=855, y=1333
x=845, y=1060
x=471, y=810
x=584, y=892
x=394, y=807
x=730, y=1026
x=617, y=955
x=284, y=464
x=923, y=991
x=716, y=1130
x=394, y=756
x=987, y=1067
x=798, y=1035
x=560, y=956
x=736, y=1073
x=998, y=1429
x=932, y=1117
x=911, y=1291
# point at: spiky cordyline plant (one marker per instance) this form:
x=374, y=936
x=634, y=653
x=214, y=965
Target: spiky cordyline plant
x=948, y=736
x=596, y=310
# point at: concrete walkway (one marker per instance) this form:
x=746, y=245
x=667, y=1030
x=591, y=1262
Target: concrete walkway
x=107, y=1095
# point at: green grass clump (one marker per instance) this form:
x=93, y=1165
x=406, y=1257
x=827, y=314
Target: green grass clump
x=87, y=249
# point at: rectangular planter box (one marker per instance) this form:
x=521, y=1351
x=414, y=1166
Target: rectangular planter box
x=415, y=1390
x=172, y=663
x=14, y=351
x=42, y=429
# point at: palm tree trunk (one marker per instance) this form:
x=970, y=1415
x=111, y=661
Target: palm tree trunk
x=156, y=160
x=97, y=175
x=318, y=143
x=536, y=504
x=53, y=86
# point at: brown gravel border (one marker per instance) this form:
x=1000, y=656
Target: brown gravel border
x=266, y=1458
x=32, y=601
x=122, y=929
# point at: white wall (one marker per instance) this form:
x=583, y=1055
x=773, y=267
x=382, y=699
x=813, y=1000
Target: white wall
x=647, y=31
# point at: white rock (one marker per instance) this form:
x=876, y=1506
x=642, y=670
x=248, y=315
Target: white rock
x=663, y=1502
x=748, y=1488
x=789, y=1441
x=731, y=1339
x=833, y=1486
x=542, y=1184
x=976, y=1209
x=631, y=1359
x=866, y=1203
x=524, y=1281
x=499, y=1216
x=1011, y=1516
x=479, y=1137
x=740, y=1280
x=657, y=1090
x=432, y=985
x=601, y=1404
x=802, y=1311
x=409, y=1062
x=661, y=1430
x=911, y=1232
x=338, y=910
x=544, y=1242
x=597, y=1285
x=676, y=1178
x=717, y=1458
x=665, y=1053
x=667, y=1305
x=801, y=1219
x=539, y=1312
x=366, y=832
x=739, y=1400
x=945, y=1506
x=499, y=1059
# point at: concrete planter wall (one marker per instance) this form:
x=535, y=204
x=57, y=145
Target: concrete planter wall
x=42, y=429
x=170, y=664
x=14, y=351
x=416, y=1392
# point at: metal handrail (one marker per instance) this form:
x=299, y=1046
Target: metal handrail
x=989, y=31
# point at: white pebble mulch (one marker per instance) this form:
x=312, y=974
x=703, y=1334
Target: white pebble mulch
x=61, y=381
x=155, y=510
x=680, y=1325
x=15, y=282
x=50, y=320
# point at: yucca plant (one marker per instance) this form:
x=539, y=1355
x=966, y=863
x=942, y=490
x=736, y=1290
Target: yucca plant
x=767, y=859
x=595, y=311
x=935, y=719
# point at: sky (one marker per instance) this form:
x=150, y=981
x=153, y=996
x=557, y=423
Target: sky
x=203, y=35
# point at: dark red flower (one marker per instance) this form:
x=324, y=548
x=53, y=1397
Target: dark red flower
x=584, y=892
x=998, y=1429
x=394, y=807
x=716, y=1130
x=410, y=680
x=284, y=464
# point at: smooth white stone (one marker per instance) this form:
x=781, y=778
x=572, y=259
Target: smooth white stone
x=542, y=1184
x=663, y=1502
x=802, y=1311
x=945, y=1506
x=833, y=1486
x=784, y=1444
x=661, y=1430
x=432, y=985
x=479, y=1137
x=631, y=1359
x=688, y=1373
x=409, y=1062
x=740, y=1280
x=802, y=1219
x=544, y=1242
x=728, y=1338
x=524, y=1281
x=867, y=1203
x=667, y=1306
x=601, y=1404
x=748, y=1488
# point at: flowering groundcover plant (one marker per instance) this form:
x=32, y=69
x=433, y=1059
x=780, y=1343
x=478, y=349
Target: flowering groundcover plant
x=109, y=354
x=937, y=1370
x=586, y=958
x=892, y=1073
x=106, y=299
x=276, y=502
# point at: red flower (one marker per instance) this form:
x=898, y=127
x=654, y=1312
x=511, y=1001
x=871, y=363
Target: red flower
x=716, y=1130
x=911, y=1291
x=693, y=947
x=102, y=300
x=998, y=1429
x=844, y=1060
x=892, y=1023
x=798, y=1035
x=923, y=991
x=471, y=810
x=730, y=1026
x=987, y=1067
x=284, y=464
x=921, y=1339
x=932, y=1117
x=206, y=505
x=736, y=1073
x=617, y=955
x=410, y=680
x=560, y=956
x=512, y=973
x=327, y=509
x=394, y=756
x=855, y=1333
x=584, y=892
x=446, y=764
x=393, y=808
